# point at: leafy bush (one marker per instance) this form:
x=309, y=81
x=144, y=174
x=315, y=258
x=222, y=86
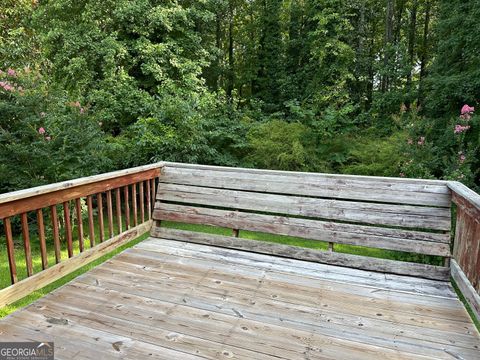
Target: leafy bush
x=45, y=137
x=277, y=144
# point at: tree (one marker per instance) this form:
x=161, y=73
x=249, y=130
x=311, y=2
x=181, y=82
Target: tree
x=455, y=74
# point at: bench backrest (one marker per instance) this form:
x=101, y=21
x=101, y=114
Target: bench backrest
x=406, y=215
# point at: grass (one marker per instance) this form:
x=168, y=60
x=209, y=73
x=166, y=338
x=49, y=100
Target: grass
x=280, y=239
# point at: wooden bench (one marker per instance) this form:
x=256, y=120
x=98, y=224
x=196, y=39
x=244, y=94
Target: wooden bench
x=406, y=215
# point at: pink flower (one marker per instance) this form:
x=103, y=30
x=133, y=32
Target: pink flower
x=462, y=158
x=459, y=128
x=82, y=110
x=11, y=72
x=421, y=141
x=48, y=138
x=466, y=116
x=409, y=141
x=9, y=88
x=467, y=109
x=41, y=131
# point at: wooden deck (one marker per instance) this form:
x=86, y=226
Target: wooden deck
x=165, y=299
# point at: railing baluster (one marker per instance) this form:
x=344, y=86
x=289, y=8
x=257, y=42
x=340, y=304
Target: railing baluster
x=100, y=217
x=134, y=204
x=26, y=244
x=68, y=228
x=78, y=206
x=127, y=207
x=119, y=210
x=91, y=228
x=10, y=250
x=41, y=237
x=153, y=191
x=56, y=237
x=149, y=206
x=142, y=202
x=110, y=213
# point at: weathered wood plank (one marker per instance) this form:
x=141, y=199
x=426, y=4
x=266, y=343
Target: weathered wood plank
x=126, y=203
x=7, y=224
x=56, y=234
x=134, y=204
x=281, y=297
x=43, y=278
x=110, y=214
x=118, y=208
x=91, y=226
x=78, y=210
x=310, y=184
x=467, y=246
x=234, y=259
x=149, y=203
x=68, y=228
x=375, y=179
x=142, y=201
x=326, y=257
x=468, y=291
x=191, y=313
x=408, y=216
x=41, y=238
x=101, y=229
x=26, y=244
x=469, y=196
x=393, y=239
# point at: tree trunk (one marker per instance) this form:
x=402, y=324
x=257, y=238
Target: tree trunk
x=387, y=43
x=424, y=54
x=231, y=60
x=411, y=51
x=218, y=43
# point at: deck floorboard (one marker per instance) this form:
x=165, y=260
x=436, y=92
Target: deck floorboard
x=166, y=299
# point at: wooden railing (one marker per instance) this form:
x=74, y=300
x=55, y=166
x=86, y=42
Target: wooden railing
x=465, y=265
x=116, y=207
x=75, y=222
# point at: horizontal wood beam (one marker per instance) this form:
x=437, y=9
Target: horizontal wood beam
x=466, y=288
x=381, y=179
x=349, y=234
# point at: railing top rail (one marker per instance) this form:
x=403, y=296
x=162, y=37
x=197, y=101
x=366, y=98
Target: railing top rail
x=465, y=192
x=45, y=189
x=296, y=173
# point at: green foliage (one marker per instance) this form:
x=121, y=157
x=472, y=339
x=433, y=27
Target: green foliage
x=123, y=57
x=332, y=85
x=45, y=138
x=375, y=156
x=455, y=74
x=277, y=144
x=18, y=41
